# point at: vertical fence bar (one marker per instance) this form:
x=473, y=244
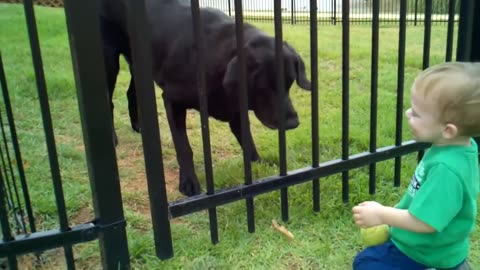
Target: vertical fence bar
x=277, y=11
x=139, y=33
x=8, y=184
x=8, y=161
x=229, y=8
x=393, y=11
x=45, y=109
x=16, y=204
x=314, y=101
x=345, y=92
x=4, y=223
x=292, y=7
x=475, y=54
x=244, y=120
x=475, y=43
x=428, y=33
x=366, y=10
x=47, y=126
x=465, y=30
x=88, y=65
x=334, y=12
x=202, y=93
x=16, y=146
x=386, y=12
x=426, y=46
x=374, y=94
x=263, y=13
x=400, y=91
x=396, y=10
x=469, y=23
x=450, y=25
x=416, y=13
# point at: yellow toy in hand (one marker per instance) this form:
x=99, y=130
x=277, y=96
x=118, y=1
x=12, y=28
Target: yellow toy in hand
x=375, y=235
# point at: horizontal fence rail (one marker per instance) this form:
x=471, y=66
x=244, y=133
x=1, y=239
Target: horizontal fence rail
x=295, y=177
x=43, y=240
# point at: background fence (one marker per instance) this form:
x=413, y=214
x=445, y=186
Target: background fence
x=328, y=11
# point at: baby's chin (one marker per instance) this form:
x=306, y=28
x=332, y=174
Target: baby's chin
x=421, y=140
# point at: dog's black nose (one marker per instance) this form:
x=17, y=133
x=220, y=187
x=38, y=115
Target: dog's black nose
x=292, y=122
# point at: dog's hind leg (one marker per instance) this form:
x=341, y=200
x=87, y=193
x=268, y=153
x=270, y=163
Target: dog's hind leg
x=111, y=71
x=132, y=105
x=111, y=38
x=176, y=114
x=235, y=127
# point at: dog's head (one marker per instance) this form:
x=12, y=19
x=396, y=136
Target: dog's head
x=264, y=98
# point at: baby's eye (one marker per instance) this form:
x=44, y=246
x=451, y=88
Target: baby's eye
x=414, y=113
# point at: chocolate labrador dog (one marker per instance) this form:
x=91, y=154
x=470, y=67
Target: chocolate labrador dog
x=175, y=71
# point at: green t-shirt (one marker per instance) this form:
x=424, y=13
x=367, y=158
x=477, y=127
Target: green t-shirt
x=443, y=194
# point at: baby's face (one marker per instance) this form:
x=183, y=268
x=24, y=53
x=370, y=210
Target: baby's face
x=423, y=119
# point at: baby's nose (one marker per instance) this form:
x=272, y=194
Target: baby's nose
x=408, y=113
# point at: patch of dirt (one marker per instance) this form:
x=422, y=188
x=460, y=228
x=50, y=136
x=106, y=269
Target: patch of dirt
x=133, y=179
x=137, y=187
x=85, y=214
x=139, y=182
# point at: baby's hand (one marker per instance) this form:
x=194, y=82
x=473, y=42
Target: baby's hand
x=368, y=214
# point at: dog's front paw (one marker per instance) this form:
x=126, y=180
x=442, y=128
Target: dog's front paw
x=189, y=185
x=255, y=157
x=135, y=126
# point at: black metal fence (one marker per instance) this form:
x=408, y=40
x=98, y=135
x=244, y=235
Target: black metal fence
x=20, y=235
x=17, y=221
x=331, y=12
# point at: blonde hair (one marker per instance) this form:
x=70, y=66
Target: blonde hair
x=455, y=89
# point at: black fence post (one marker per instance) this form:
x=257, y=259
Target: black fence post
x=467, y=46
x=292, y=6
x=465, y=30
x=416, y=12
x=140, y=47
x=427, y=21
x=450, y=30
x=229, y=8
x=475, y=51
x=334, y=18
x=87, y=57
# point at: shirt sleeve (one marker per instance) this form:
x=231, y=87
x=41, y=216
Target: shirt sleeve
x=439, y=198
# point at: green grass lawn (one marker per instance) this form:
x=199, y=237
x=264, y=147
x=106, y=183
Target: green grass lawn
x=325, y=240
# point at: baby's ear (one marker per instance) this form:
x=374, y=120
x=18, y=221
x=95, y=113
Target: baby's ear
x=450, y=131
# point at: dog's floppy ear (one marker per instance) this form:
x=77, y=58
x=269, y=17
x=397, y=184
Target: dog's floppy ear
x=230, y=79
x=301, y=77
x=302, y=80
